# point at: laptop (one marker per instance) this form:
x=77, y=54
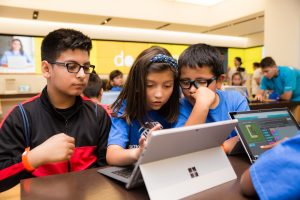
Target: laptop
x=262, y=127
x=109, y=98
x=241, y=89
x=180, y=162
x=16, y=62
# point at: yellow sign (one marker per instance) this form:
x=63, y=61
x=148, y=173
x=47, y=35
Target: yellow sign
x=111, y=55
x=248, y=56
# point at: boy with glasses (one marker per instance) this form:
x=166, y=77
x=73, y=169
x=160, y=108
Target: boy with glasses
x=56, y=131
x=201, y=74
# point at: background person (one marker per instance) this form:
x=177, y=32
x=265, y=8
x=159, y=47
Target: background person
x=237, y=68
x=115, y=82
x=282, y=80
x=94, y=90
x=256, y=77
x=16, y=50
x=237, y=79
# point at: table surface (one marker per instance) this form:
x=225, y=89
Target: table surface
x=91, y=185
x=273, y=104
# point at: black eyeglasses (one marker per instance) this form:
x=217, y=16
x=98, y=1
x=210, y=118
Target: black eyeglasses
x=187, y=84
x=74, y=67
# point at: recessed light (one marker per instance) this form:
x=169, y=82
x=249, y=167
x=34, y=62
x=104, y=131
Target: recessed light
x=201, y=2
x=35, y=14
x=106, y=21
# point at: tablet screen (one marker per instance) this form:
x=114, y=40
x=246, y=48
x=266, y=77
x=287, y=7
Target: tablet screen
x=264, y=127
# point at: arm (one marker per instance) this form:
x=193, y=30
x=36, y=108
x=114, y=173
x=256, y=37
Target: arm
x=257, y=80
x=286, y=95
x=117, y=155
x=259, y=95
x=204, y=99
x=12, y=146
x=269, y=146
x=247, y=185
x=105, y=124
x=60, y=145
x=239, y=103
x=198, y=115
x=263, y=87
x=289, y=83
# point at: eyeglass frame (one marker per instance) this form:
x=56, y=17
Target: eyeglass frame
x=196, y=84
x=65, y=64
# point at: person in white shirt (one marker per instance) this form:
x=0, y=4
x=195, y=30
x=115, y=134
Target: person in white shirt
x=255, y=82
x=237, y=68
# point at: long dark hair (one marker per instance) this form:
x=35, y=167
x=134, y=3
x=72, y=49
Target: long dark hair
x=113, y=74
x=134, y=91
x=17, y=40
x=237, y=74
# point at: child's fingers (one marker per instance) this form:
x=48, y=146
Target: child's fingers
x=142, y=141
x=156, y=127
x=269, y=146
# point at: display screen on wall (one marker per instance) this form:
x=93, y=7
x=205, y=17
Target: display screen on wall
x=17, y=54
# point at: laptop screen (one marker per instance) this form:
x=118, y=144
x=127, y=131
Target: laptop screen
x=257, y=128
x=241, y=89
x=109, y=98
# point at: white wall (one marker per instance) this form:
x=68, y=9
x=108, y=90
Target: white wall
x=282, y=31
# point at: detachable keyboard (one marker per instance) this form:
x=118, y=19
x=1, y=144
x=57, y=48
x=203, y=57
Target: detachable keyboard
x=126, y=173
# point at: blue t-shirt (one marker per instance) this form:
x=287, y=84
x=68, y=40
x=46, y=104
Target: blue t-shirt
x=7, y=54
x=276, y=174
x=116, y=88
x=288, y=79
x=127, y=136
x=230, y=101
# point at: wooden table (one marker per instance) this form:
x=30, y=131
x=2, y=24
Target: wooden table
x=274, y=104
x=90, y=185
x=293, y=106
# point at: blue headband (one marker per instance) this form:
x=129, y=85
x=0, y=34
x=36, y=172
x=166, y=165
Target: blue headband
x=161, y=58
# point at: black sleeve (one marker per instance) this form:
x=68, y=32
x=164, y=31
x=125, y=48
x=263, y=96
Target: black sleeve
x=105, y=124
x=12, y=145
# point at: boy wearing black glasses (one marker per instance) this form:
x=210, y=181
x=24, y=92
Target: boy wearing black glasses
x=201, y=73
x=56, y=131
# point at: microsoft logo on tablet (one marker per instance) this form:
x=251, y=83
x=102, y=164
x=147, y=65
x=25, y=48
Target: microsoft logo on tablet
x=193, y=172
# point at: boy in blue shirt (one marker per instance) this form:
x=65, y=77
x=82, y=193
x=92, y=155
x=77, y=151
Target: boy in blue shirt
x=275, y=175
x=200, y=74
x=282, y=80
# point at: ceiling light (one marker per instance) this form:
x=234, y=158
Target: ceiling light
x=35, y=14
x=106, y=21
x=201, y=2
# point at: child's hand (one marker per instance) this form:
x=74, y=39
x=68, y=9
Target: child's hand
x=269, y=146
x=204, y=96
x=57, y=148
x=258, y=97
x=143, y=139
